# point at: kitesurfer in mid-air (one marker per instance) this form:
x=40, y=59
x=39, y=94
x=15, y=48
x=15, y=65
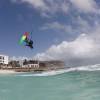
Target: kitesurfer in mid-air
x=29, y=43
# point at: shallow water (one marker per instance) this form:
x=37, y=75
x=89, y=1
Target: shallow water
x=70, y=85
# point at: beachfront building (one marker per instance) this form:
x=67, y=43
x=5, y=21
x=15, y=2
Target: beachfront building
x=35, y=66
x=4, y=59
x=43, y=65
x=31, y=64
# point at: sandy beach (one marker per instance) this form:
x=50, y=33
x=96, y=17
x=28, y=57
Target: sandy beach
x=7, y=72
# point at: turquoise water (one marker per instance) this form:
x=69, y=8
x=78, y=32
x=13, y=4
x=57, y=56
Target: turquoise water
x=76, y=85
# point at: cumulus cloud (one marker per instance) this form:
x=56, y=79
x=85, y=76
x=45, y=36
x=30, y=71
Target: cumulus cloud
x=83, y=48
x=85, y=5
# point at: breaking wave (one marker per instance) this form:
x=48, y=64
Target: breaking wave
x=51, y=73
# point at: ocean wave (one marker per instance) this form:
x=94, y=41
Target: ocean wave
x=51, y=73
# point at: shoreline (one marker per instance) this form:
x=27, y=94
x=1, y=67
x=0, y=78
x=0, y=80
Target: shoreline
x=7, y=71
x=13, y=71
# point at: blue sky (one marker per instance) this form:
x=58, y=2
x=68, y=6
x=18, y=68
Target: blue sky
x=15, y=19
x=56, y=25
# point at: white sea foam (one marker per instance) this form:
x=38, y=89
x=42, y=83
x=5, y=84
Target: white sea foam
x=81, y=68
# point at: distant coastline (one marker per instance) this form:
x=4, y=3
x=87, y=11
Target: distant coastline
x=31, y=66
x=28, y=65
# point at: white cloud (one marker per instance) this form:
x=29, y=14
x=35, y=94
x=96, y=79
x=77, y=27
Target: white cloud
x=64, y=6
x=47, y=7
x=40, y=4
x=82, y=47
x=85, y=5
x=54, y=25
x=18, y=58
x=85, y=49
x=82, y=25
x=78, y=25
x=59, y=27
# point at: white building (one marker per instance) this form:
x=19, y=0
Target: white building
x=33, y=64
x=36, y=66
x=3, y=59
